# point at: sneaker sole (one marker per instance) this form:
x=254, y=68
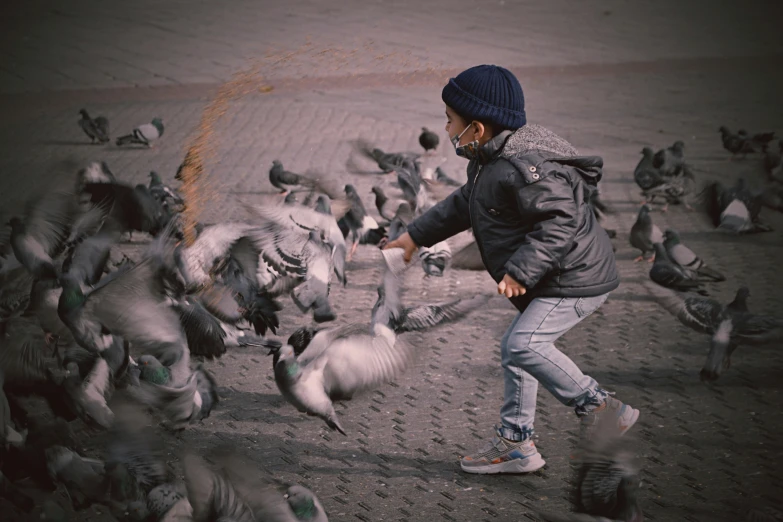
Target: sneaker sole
x=526, y=465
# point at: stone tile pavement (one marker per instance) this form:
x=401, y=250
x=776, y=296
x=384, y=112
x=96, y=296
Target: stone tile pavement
x=707, y=452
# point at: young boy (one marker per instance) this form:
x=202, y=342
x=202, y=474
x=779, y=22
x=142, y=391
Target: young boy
x=527, y=201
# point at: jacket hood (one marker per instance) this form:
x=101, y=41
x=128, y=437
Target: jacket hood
x=535, y=140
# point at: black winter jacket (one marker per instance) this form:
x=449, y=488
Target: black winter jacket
x=527, y=201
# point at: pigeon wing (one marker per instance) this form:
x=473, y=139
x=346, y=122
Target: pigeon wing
x=212, y=495
x=203, y=331
x=49, y=219
x=427, y=316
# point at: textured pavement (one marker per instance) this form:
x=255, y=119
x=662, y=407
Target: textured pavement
x=643, y=74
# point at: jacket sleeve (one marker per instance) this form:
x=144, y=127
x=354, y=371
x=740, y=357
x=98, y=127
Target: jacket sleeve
x=550, y=205
x=449, y=217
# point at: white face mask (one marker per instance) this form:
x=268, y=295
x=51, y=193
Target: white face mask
x=467, y=151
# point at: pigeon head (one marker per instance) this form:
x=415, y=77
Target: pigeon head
x=350, y=189
x=644, y=213
x=302, y=502
x=149, y=361
x=375, y=236
x=71, y=298
x=741, y=297
x=16, y=224
x=83, y=114
x=678, y=146
x=671, y=236
x=277, y=165
x=290, y=198
x=648, y=152
x=323, y=205
x=724, y=130
x=155, y=177
x=158, y=124
x=377, y=153
x=378, y=191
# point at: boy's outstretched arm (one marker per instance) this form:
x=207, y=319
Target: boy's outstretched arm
x=449, y=217
x=550, y=204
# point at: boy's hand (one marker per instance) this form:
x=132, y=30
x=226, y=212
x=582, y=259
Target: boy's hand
x=510, y=287
x=406, y=243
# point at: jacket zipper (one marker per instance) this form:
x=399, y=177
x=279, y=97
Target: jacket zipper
x=470, y=209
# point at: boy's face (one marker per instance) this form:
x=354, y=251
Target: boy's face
x=455, y=125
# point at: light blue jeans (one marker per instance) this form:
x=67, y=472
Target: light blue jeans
x=529, y=356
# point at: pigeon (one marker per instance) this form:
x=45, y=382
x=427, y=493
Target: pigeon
x=442, y=177
x=305, y=504
x=40, y=236
x=687, y=259
x=300, y=250
x=735, y=209
x=428, y=140
x=424, y=317
x=288, y=181
x=83, y=478
x=761, y=140
x=645, y=174
x=735, y=143
x=343, y=361
x=607, y=483
x=434, y=259
x=669, y=161
x=356, y=221
x=162, y=192
x=468, y=258
x=644, y=234
x=145, y=134
x=387, y=207
x=96, y=129
x=387, y=162
x=131, y=208
x=95, y=172
x=675, y=189
x=669, y=275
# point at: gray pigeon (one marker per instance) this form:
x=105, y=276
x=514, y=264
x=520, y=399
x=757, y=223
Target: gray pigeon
x=387, y=162
x=669, y=275
x=645, y=174
x=38, y=237
x=305, y=504
x=340, y=362
x=163, y=192
x=96, y=129
x=428, y=140
x=387, y=207
x=434, y=259
x=735, y=209
x=687, y=259
x=288, y=181
x=670, y=161
x=644, y=234
x=145, y=134
x=675, y=189
x=83, y=478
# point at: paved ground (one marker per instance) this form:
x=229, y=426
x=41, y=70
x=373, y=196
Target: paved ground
x=612, y=77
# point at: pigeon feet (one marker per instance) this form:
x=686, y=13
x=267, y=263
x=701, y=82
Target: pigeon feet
x=638, y=259
x=652, y=259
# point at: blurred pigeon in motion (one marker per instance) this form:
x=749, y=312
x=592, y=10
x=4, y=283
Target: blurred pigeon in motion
x=644, y=234
x=357, y=226
x=340, y=362
x=387, y=207
x=236, y=491
x=434, y=259
x=674, y=189
x=162, y=192
x=94, y=172
x=387, y=162
x=40, y=236
x=96, y=129
x=425, y=317
x=83, y=478
x=670, y=275
x=428, y=140
x=442, y=177
x=607, y=483
x=288, y=181
x=736, y=209
x=735, y=143
x=145, y=134
x=669, y=161
x=730, y=326
x=687, y=259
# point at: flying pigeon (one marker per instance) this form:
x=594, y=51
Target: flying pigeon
x=96, y=129
x=644, y=234
x=428, y=140
x=387, y=162
x=674, y=190
x=387, y=207
x=687, y=259
x=145, y=134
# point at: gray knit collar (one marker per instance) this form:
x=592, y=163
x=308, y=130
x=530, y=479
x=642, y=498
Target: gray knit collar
x=528, y=139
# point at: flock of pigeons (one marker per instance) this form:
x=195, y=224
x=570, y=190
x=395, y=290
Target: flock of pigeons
x=666, y=175
x=120, y=343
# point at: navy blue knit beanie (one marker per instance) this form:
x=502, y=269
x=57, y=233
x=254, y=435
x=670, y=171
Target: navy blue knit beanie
x=487, y=93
